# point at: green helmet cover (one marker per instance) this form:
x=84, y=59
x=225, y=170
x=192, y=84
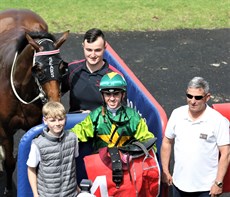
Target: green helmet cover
x=113, y=81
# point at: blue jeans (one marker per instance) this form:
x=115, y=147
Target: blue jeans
x=179, y=193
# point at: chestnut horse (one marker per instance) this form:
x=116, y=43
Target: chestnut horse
x=30, y=74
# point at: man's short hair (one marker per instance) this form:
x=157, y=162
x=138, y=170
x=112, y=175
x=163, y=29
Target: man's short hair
x=199, y=82
x=92, y=34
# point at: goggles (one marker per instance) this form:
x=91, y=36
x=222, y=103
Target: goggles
x=115, y=93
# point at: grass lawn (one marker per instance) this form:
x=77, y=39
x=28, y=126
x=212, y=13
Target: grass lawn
x=127, y=15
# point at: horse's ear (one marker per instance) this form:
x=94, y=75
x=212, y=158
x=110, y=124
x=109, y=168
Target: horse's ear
x=61, y=40
x=34, y=44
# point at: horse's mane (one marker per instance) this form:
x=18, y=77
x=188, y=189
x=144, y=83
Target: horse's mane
x=13, y=40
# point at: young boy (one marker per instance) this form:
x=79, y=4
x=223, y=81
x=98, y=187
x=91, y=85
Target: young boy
x=51, y=162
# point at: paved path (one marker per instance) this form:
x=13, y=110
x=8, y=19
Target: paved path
x=166, y=61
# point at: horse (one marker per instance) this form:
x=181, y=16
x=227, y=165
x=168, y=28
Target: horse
x=31, y=70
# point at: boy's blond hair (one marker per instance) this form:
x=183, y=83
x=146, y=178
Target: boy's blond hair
x=53, y=109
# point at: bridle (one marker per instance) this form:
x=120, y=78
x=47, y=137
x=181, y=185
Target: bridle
x=48, y=54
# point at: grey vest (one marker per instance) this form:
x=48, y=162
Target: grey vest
x=56, y=176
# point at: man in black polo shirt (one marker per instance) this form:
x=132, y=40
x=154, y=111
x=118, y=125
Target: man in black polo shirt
x=84, y=76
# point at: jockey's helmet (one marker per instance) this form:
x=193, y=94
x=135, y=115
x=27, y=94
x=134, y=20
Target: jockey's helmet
x=112, y=81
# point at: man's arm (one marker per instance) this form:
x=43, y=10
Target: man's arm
x=65, y=84
x=166, y=149
x=84, y=129
x=222, y=168
x=32, y=176
x=223, y=161
x=142, y=133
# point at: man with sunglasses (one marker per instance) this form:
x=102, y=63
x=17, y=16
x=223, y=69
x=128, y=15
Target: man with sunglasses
x=201, y=145
x=112, y=123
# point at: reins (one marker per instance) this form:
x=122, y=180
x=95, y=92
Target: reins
x=14, y=89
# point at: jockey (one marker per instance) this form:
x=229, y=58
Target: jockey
x=112, y=124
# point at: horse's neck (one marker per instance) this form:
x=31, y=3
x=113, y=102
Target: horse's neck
x=22, y=67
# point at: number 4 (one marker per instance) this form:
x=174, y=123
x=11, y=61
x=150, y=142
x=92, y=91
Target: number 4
x=100, y=182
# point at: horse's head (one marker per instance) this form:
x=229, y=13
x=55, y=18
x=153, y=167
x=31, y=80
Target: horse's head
x=48, y=67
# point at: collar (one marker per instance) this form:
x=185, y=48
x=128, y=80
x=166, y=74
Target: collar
x=113, y=111
x=120, y=117
x=204, y=117
x=100, y=71
x=52, y=137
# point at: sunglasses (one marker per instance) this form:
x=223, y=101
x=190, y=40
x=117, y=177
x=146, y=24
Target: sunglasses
x=196, y=97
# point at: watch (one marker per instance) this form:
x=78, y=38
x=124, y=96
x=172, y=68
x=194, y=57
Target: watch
x=219, y=184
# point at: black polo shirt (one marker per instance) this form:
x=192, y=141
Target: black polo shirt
x=84, y=85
